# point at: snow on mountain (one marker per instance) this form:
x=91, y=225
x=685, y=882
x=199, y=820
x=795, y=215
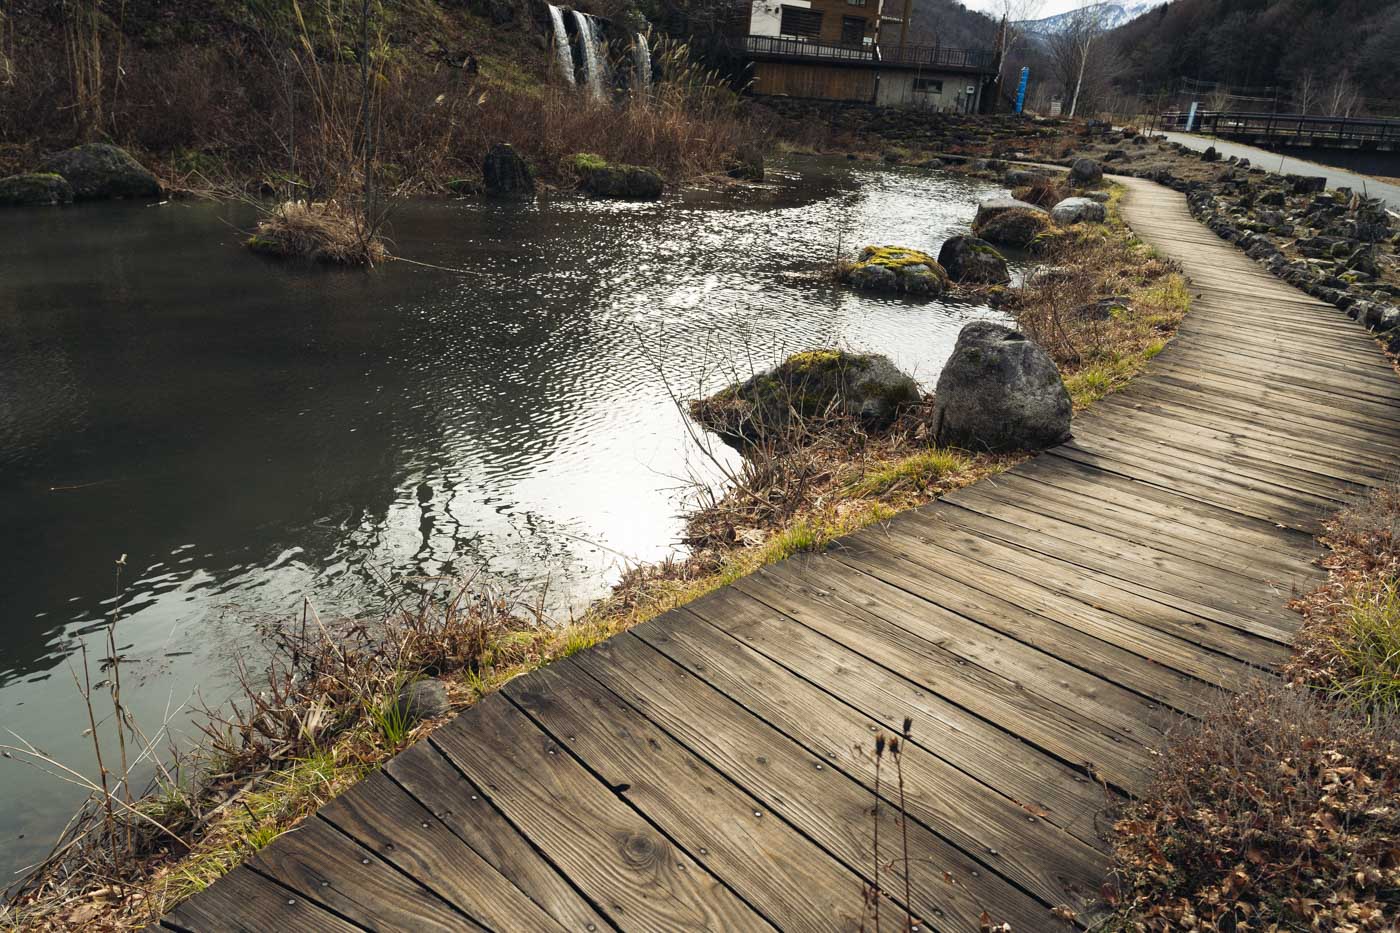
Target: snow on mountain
x=1110, y=16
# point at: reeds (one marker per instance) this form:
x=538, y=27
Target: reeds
x=873, y=893
x=326, y=706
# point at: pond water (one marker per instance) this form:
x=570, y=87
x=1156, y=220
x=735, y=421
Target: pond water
x=251, y=433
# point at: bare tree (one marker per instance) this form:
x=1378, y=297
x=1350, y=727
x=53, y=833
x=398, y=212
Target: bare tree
x=1305, y=91
x=1015, y=14
x=1342, y=95
x=1076, y=52
x=1219, y=99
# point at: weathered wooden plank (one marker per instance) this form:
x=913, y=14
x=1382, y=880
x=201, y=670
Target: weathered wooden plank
x=1064, y=732
x=320, y=863
x=1244, y=530
x=1154, y=425
x=382, y=817
x=1012, y=520
x=1031, y=778
x=637, y=876
x=929, y=543
x=1280, y=480
x=789, y=779
x=1239, y=496
x=1119, y=521
x=425, y=773
x=1206, y=595
x=948, y=801
x=245, y=902
x=786, y=876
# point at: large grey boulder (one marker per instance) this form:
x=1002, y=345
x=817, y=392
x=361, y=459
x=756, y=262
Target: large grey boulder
x=506, y=174
x=1078, y=210
x=100, y=170
x=1018, y=229
x=989, y=208
x=621, y=182
x=973, y=261
x=1000, y=392
x=35, y=188
x=1085, y=172
x=811, y=385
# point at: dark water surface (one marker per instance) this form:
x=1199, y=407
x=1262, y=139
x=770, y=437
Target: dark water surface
x=250, y=433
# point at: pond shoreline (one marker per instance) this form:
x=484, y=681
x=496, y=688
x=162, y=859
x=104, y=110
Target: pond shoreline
x=889, y=475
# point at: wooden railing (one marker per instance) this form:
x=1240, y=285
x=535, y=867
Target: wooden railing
x=1284, y=126
x=910, y=55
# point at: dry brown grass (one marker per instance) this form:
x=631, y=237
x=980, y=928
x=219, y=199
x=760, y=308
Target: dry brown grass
x=1046, y=191
x=1277, y=812
x=1349, y=644
x=1100, y=348
x=256, y=111
x=321, y=713
x=1281, y=809
x=322, y=231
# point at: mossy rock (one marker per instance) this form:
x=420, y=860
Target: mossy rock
x=973, y=261
x=1018, y=229
x=99, y=170
x=807, y=387
x=897, y=269
x=34, y=189
x=617, y=181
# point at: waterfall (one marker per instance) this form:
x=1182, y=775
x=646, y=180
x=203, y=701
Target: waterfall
x=641, y=55
x=593, y=63
x=563, y=54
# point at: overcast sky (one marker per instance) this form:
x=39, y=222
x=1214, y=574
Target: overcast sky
x=1047, y=8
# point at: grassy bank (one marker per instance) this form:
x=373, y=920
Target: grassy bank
x=327, y=706
x=1280, y=810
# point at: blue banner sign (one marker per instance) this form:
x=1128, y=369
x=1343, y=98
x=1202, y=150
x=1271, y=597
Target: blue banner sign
x=1021, y=91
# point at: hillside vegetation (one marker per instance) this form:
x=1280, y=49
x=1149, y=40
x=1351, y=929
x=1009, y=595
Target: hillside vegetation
x=266, y=94
x=1301, y=46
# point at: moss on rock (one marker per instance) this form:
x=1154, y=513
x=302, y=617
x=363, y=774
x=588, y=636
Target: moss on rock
x=34, y=189
x=896, y=269
x=774, y=407
x=615, y=180
x=1019, y=229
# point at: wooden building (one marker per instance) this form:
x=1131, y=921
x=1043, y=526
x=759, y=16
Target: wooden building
x=853, y=51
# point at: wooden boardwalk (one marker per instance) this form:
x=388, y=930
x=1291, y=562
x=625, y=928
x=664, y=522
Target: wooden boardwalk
x=711, y=769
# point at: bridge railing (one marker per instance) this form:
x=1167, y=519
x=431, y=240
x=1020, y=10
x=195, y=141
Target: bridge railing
x=1287, y=126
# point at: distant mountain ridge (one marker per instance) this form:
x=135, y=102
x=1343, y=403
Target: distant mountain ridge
x=1111, y=15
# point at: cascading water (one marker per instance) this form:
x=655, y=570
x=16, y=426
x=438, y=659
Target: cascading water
x=563, y=54
x=593, y=63
x=641, y=54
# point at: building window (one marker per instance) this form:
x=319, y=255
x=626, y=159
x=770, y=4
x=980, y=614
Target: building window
x=852, y=30
x=799, y=22
x=928, y=86
x=855, y=2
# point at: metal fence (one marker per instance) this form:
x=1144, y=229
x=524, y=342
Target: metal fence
x=1282, y=126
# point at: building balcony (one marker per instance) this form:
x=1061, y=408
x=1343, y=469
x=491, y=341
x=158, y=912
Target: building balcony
x=927, y=57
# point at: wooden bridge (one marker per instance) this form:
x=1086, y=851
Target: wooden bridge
x=1042, y=630
x=1290, y=130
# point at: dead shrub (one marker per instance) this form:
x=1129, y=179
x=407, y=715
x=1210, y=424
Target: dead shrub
x=323, y=710
x=1045, y=191
x=322, y=231
x=1277, y=811
x=1349, y=643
